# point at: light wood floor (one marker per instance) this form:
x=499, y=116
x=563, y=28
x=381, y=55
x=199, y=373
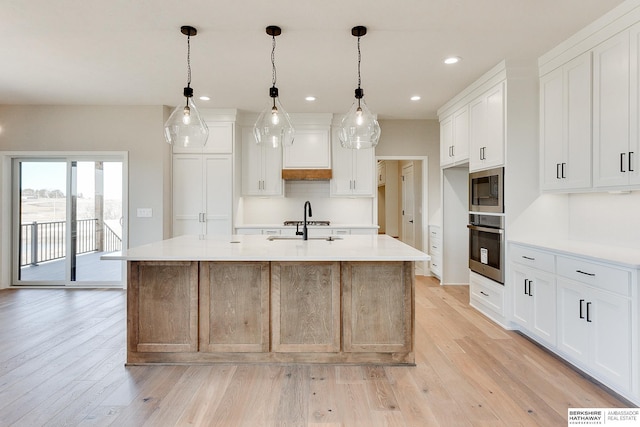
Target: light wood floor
x=62, y=358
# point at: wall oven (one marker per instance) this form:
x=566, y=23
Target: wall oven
x=486, y=191
x=486, y=245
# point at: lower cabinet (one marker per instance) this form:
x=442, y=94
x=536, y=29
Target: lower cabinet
x=155, y=289
x=234, y=306
x=582, y=309
x=488, y=297
x=534, y=302
x=594, y=328
x=305, y=306
x=269, y=311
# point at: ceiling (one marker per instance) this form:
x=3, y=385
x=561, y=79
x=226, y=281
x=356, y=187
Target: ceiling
x=124, y=52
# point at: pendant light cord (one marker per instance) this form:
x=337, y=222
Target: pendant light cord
x=273, y=61
x=188, y=61
x=359, y=60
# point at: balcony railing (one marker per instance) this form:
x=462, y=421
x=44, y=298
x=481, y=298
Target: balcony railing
x=46, y=241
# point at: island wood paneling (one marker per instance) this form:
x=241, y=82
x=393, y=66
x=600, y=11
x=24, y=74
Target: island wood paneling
x=234, y=307
x=163, y=306
x=377, y=306
x=305, y=306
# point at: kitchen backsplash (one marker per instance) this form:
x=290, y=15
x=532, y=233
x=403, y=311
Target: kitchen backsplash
x=275, y=210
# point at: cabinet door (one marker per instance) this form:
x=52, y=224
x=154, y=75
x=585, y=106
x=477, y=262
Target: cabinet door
x=271, y=171
x=609, y=320
x=305, y=303
x=577, y=122
x=157, y=288
x=251, y=164
x=634, y=144
x=188, y=193
x=234, y=307
x=461, y=134
x=542, y=290
x=218, y=194
x=552, y=136
x=342, y=173
x=477, y=133
x=573, y=338
x=493, y=154
x=611, y=111
x=310, y=150
x=521, y=299
x=363, y=172
x=446, y=141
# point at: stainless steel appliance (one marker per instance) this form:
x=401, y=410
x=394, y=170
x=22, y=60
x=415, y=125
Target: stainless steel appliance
x=486, y=245
x=486, y=191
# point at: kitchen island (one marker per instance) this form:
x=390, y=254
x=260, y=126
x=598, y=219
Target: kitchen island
x=252, y=298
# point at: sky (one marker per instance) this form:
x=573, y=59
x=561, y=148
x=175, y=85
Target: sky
x=51, y=175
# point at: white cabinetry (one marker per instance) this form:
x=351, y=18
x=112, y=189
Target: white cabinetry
x=353, y=171
x=311, y=149
x=220, y=140
x=565, y=126
x=435, y=250
x=534, y=292
x=487, y=296
x=487, y=130
x=202, y=194
x=594, y=319
x=611, y=112
x=454, y=138
x=261, y=167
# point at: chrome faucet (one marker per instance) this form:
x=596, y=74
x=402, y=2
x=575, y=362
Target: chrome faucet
x=305, y=232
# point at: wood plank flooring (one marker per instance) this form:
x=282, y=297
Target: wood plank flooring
x=62, y=358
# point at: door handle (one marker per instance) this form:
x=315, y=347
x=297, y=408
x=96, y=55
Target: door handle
x=411, y=221
x=622, y=162
x=581, y=315
x=557, y=170
x=562, y=169
x=631, y=162
x=588, y=314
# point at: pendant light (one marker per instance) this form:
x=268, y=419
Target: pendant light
x=359, y=128
x=185, y=127
x=273, y=127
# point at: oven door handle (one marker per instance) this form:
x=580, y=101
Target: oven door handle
x=486, y=229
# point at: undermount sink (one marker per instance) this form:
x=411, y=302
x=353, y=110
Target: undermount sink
x=326, y=238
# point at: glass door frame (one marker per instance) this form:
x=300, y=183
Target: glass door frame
x=68, y=158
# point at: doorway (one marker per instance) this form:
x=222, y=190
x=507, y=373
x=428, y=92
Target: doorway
x=67, y=213
x=392, y=198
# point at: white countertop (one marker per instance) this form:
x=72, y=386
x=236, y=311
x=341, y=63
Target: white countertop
x=259, y=248
x=626, y=257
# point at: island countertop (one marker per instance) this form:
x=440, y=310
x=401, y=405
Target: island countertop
x=261, y=248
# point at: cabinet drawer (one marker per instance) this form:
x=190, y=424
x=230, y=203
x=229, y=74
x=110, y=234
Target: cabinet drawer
x=603, y=276
x=533, y=258
x=488, y=294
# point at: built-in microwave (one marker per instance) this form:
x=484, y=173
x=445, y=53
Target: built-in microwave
x=486, y=191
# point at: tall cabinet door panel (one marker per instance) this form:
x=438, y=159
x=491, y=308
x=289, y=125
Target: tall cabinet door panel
x=634, y=143
x=188, y=185
x=573, y=335
x=611, y=111
x=552, y=136
x=218, y=197
x=577, y=118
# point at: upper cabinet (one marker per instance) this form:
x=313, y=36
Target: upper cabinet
x=454, y=138
x=590, y=112
x=220, y=140
x=353, y=171
x=311, y=149
x=261, y=167
x=487, y=130
x=565, y=126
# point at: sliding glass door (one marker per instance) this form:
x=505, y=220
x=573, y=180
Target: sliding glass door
x=67, y=214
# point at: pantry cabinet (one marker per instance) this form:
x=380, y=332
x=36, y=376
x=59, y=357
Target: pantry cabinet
x=565, y=126
x=353, y=171
x=487, y=129
x=202, y=194
x=261, y=167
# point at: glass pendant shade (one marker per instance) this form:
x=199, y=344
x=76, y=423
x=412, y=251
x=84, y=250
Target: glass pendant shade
x=359, y=128
x=185, y=127
x=273, y=127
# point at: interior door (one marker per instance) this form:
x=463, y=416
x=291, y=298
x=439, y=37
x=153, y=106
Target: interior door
x=408, y=205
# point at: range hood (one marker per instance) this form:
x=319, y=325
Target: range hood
x=306, y=174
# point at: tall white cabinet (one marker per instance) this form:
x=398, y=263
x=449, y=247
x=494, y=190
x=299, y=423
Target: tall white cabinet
x=353, y=171
x=202, y=180
x=487, y=129
x=261, y=167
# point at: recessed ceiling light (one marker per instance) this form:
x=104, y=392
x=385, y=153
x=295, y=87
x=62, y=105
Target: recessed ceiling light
x=415, y=98
x=310, y=98
x=452, y=60
x=204, y=98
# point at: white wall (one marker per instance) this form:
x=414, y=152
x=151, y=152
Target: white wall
x=135, y=129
